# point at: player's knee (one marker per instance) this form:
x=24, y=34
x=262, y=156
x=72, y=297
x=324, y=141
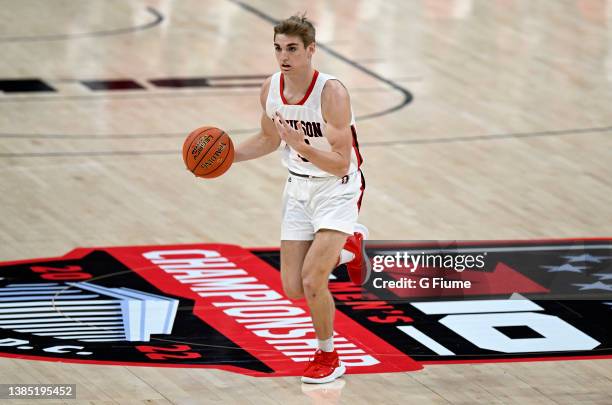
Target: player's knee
x=293, y=288
x=293, y=293
x=313, y=284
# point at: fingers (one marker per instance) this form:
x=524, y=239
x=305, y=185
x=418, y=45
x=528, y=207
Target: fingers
x=285, y=130
x=299, y=127
x=281, y=118
x=280, y=128
x=276, y=117
x=284, y=123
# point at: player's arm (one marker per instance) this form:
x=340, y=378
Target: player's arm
x=336, y=109
x=266, y=140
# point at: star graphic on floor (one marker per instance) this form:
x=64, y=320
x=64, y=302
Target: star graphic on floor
x=585, y=257
x=595, y=286
x=565, y=267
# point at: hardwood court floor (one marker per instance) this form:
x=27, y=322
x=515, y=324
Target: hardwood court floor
x=477, y=120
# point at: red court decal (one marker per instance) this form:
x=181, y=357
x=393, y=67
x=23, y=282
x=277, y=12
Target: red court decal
x=211, y=305
x=222, y=306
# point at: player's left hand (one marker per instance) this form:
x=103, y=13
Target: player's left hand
x=293, y=137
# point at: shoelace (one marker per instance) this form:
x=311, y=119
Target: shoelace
x=319, y=360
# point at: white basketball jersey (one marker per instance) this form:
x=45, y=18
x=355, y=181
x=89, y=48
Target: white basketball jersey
x=308, y=111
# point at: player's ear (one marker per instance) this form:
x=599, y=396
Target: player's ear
x=311, y=48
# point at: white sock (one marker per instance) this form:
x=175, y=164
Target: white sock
x=326, y=345
x=345, y=256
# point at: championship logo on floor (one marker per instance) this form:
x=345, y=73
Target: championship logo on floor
x=222, y=306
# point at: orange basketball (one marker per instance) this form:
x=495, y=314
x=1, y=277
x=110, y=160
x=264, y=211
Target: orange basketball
x=208, y=152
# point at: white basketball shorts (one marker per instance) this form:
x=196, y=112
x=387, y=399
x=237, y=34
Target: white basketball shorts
x=320, y=203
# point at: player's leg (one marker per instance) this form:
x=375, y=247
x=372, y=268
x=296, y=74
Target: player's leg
x=318, y=264
x=292, y=253
x=297, y=233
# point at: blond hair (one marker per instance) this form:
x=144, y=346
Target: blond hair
x=297, y=26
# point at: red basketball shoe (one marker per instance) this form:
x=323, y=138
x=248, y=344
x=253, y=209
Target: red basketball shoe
x=324, y=368
x=360, y=267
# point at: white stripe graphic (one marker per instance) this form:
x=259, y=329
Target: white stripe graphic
x=102, y=340
x=63, y=291
x=30, y=284
x=99, y=333
x=42, y=315
x=60, y=324
x=55, y=310
x=46, y=288
x=49, y=297
x=57, y=303
x=425, y=340
x=76, y=328
x=59, y=319
x=93, y=336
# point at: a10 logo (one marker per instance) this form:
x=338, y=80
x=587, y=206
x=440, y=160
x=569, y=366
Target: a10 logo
x=477, y=320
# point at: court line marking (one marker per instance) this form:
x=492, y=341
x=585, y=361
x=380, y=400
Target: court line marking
x=425, y=340
x=158, y=18
x=139, y=94
x=494, y=137
x=248, y=131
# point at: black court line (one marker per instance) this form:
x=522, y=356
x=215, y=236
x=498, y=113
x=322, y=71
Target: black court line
x=157, y=19
x=144, y=135
x=92, y=153
x=492, y=137
x=422, y=141
x=129, y=94
x=247, y=131
x=138, y=94
x=407, y=96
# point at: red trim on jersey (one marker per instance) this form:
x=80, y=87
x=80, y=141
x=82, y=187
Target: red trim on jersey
x=356, y=146
x=359, y=161
x=310, y=87
x=361, y=191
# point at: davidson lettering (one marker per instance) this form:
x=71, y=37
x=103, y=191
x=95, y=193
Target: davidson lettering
x=261, y=310
x=311, y=129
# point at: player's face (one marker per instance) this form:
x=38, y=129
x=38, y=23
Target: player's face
x=291, y=54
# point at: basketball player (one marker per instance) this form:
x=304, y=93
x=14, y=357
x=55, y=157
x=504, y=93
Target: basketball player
x=310, y=114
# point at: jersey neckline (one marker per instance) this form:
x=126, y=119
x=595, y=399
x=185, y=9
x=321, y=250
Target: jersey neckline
x=310, y=87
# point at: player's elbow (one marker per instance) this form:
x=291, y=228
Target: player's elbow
x=342, y=169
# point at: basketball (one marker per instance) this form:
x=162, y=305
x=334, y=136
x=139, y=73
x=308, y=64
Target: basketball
x=208, y=152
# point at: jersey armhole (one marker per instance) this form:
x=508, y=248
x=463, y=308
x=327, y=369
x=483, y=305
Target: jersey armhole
x=323, y=89
x=270, y=86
